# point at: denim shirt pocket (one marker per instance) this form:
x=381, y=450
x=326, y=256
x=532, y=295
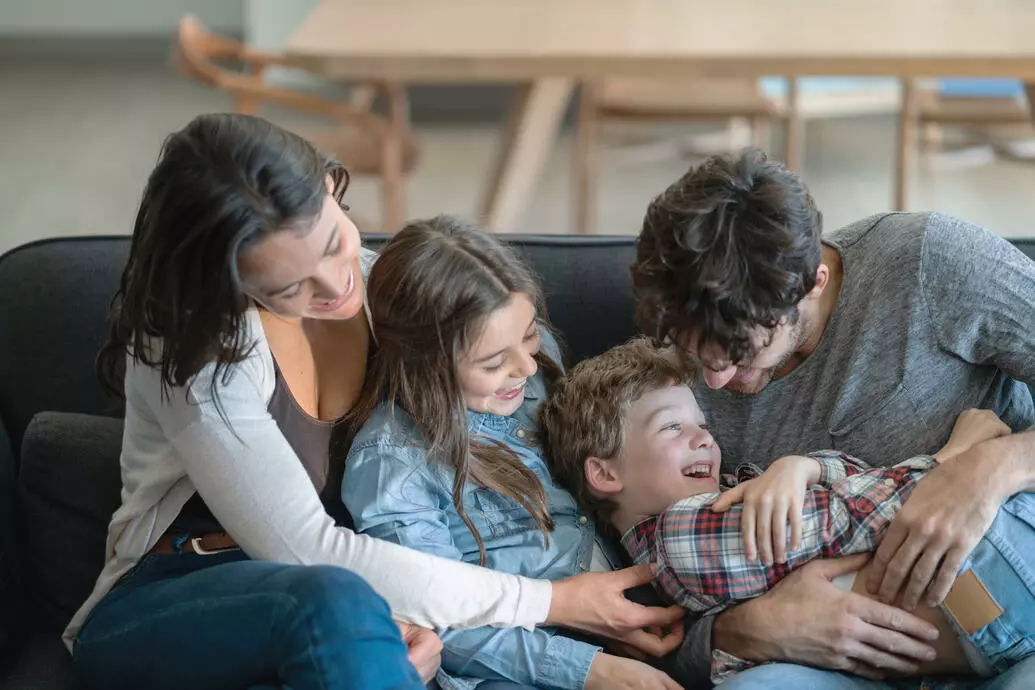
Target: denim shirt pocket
x=502, y=515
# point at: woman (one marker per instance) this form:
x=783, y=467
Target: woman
x=240, y=326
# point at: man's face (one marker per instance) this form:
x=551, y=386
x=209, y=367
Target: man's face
x=667, y=453
x=773, y=348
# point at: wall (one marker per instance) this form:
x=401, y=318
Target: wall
x=119, y=18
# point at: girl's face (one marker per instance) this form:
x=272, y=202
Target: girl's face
x=312, y=273
x=494, y=370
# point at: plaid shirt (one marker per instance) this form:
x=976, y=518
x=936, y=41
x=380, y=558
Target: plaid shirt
x=699, y=554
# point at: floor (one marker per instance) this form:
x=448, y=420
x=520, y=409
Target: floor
x=78, y=140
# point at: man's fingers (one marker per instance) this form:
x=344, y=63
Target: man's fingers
x=747, y=529
x=885, y=552
x=895, y=630
x=900, y=567
x=831, y=568
x=879, y=661
x=923, y=573
x=946, y=576
x=729, y=498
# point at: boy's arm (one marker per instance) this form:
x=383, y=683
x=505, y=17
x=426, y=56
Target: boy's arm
x=835, y=466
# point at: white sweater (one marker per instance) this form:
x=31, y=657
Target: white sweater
x=255, y=485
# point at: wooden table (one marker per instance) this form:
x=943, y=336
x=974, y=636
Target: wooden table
x=550, y=45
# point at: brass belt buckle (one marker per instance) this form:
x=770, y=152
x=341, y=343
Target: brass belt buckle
x=202, y=551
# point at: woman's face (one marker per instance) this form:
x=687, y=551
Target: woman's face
x=312, y=272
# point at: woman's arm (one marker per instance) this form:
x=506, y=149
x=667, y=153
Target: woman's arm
x=393, y=494
x=252, y=481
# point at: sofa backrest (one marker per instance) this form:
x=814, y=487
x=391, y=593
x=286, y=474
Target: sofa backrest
x=54, y=298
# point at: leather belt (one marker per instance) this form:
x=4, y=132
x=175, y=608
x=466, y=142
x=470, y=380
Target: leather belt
x=202, y=544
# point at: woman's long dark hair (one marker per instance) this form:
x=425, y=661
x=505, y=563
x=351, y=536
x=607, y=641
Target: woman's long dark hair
x=222, y=183
x=431, y=291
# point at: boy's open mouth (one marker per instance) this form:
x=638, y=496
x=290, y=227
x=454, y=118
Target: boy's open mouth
x=698, y=470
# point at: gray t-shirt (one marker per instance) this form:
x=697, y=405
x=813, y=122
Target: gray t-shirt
x=935, y=315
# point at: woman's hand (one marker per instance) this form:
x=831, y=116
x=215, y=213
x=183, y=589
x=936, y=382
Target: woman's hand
x=972, y=427
x=596, y=603
x=770, y=503
x=615, y=673
x=424, y=650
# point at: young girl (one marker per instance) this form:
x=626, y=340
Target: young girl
x=446, y=462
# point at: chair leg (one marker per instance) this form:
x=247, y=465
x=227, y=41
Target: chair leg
x=585, y=161
x=906, y=143
x=393, y=193
x=793, y=128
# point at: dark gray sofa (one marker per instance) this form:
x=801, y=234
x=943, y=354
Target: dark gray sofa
x=60, y=434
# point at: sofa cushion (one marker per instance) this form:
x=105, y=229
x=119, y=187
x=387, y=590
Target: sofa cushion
x=10, y=584
x=69, y=486
x=43, y=663
x=54, y=298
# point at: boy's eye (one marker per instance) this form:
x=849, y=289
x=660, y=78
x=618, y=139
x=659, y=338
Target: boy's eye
x=673, y=426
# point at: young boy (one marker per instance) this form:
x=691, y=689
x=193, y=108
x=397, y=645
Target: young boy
x=626, y=437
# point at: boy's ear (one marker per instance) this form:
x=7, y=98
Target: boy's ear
x=601, y=476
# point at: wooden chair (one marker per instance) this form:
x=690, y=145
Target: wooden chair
x=365, y=142
x=925, y=109
x=701, y=100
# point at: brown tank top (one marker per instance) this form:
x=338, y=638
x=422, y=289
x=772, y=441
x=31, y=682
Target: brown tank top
x=312, y=440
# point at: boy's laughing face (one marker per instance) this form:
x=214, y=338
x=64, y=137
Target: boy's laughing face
x=667, y=453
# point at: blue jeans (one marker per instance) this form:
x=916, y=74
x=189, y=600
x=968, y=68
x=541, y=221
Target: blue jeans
x=223, y=621
x=1004, y=561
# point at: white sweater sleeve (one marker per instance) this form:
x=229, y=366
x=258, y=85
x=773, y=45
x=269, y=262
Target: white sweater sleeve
x=254, y=484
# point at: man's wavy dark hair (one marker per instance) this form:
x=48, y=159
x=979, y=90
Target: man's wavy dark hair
x=731, y=246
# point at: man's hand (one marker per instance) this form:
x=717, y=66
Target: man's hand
x=940, y=524
x=807, y=620
x=425, y=650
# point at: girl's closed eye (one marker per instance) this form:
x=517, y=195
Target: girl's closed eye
x=495, y=367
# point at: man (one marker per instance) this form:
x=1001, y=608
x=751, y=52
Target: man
x=870, y=341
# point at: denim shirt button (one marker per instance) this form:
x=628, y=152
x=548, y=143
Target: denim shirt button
x=521, y=433
x=582, y=565
x=583, y=519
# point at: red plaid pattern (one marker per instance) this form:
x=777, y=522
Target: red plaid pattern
x=699, y=554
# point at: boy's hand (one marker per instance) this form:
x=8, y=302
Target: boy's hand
x=770, y=503
x=972, y=427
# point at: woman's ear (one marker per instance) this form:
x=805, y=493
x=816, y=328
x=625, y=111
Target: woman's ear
x=602, y=477
x=330, y=184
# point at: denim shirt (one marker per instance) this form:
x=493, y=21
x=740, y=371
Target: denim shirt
x=395, y=492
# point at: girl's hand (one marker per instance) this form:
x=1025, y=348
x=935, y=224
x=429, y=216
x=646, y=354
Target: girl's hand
x=424, y=650
x=596, y=603
x=770, y=503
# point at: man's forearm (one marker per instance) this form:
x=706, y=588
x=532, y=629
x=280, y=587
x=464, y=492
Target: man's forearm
x=738, y=631
x=1012, y=461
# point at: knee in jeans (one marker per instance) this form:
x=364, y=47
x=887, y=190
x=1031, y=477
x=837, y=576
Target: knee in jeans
x=332, y=591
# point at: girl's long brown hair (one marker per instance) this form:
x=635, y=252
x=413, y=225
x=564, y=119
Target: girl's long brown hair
x=431, y=291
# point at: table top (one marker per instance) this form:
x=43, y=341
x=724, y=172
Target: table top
x=499, y=40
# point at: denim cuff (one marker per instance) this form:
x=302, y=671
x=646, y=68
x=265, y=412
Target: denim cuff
x=565, y=665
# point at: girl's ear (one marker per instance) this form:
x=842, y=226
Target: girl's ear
x=602, y=477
